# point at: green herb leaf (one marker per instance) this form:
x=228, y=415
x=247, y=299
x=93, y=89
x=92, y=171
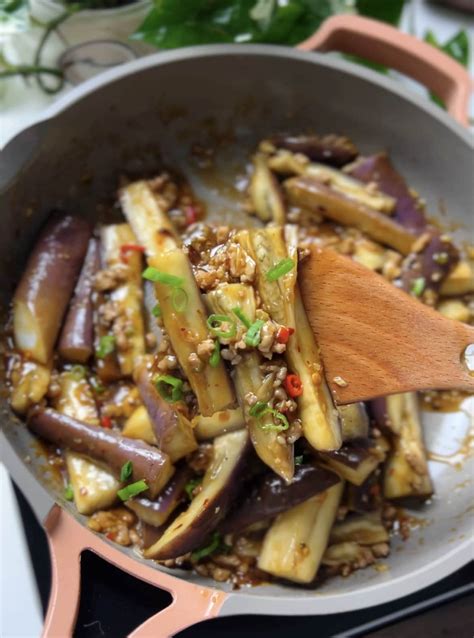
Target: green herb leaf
x=241, y=315
x=169, y=387
x=106, y=346
x=215, y=358
x=126, y=471
x=216, y=545
x=417, y=286
x=156, y=311
x=456, y=47
x=253, y=337
x=155, y=275
x=132, y=490
x=215, y=323
x=191, y=486
x=69, y=492
x=385, y=10
x=14, y=16
x=299, y=460
x=281, y=268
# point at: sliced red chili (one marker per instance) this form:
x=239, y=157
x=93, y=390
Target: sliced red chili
x=283, y=334
x=110, y=535
x=106, y=422
x=293, y=385
x=191, y=215
x=126, y=248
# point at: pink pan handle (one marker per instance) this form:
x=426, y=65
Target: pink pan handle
x=386, y=45
x=68, y=539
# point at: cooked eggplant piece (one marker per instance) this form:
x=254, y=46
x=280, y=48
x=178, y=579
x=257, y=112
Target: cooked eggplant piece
x=265, y=193
x=347, y=554
x=455, y=309
x=356, y=459
x=157, y=512
x=186, y=329
x=148, y=220
x=354, y=421
x=406, y=468
x=313, y=195
x=294, y=545
x=106, y=365
x=94, y=487
x=208, y=427
x=108, y=446
x=365, y=529
x=282, y=301
x=460, y=280
x=423, y=272
x=29, y=382
x=173, y=431
x=379, y=170
x=220, y=484
x=76, y=343
x=46, y=285
x=119, y=247
x=139, y=426
x=248, y=378
x=270, y=495
x=335, y=150
x=367, y=496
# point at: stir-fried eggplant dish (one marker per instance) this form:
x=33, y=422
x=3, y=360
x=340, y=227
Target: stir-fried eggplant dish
x=168, y=367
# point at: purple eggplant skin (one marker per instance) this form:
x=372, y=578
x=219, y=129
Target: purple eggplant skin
x=47, y=283
x=335, y=150
x=76, y=343
x=366, y=497
x=380, y=170
x=378, y=412
x=104, y=445
x=352, y=453
x=162, y=415
x=432, y=264
x=157, y=512
x=271, y=495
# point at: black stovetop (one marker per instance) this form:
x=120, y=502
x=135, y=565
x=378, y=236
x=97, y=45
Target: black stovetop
x=114, y=603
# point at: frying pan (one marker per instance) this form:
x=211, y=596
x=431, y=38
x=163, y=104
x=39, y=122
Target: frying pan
x=151, y=111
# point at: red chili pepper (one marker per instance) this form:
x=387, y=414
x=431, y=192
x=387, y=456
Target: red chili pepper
x=110, y=536
x=125, y=248
x=293, y=385
x=191, y=215
x=106, y=422
x=283, y=334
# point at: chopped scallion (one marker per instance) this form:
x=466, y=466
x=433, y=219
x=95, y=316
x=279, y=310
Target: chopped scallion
x=191, y=486
x=69, y=492
x=215, y=324
x=216, y=355
x=214, y=546
x=126, y=471
x=169, y=387
x=281, y=268
x=132, y=490
x=417, y=286
x=252, y=338
x=156, y=311
x=106, y=346
x=179, y=299
x=257, y=408
x=245, y=320
x=299, y=460
x=277, y=416
x=153, y=274
x=78, y=372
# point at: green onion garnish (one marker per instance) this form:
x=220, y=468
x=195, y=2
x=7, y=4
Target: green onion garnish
x=153, y=274
x=191, y=486
x=215, y=322
x=280, y=269
x=215, y=545
x=106, y=346
x=215, y=356
x=417, y=286
x=258, y=408
x=132, y=490
x=156, y=310
x=252, y=338
x=179, y=299
x=69, y=492
x=245, y=320
x=78, y=372
x=169, y=387
x=278, y=416
x=126, y=471
x=299, y=460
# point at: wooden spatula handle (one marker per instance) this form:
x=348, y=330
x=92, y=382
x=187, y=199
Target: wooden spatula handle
x=374, y=338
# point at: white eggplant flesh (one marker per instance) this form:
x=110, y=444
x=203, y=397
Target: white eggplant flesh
x=208, y=427
x=365, y=529
x=460, y=280
x=139, y=426
x=265, y=193
x=29, y=383
x=354, y=421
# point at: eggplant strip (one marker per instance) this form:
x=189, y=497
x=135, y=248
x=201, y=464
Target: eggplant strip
x=354, y=421
x=460, y=280
x=29, y=383
x=173, y=431
x=271, y=495
x=94, y=487
x=265, y=193
x=248, y=378
x=208, y=427
x=104, y=445
x=46, y=285
x=294, y=545
x=282, y=301
x=313, y=195
x=128, y=327
x=76, y=343
x=364, y=529
x=219, y=486
x=357, y=459
x=157, y=512
x=335, y=150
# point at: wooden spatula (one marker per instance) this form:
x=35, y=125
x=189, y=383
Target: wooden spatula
x=376, y=339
